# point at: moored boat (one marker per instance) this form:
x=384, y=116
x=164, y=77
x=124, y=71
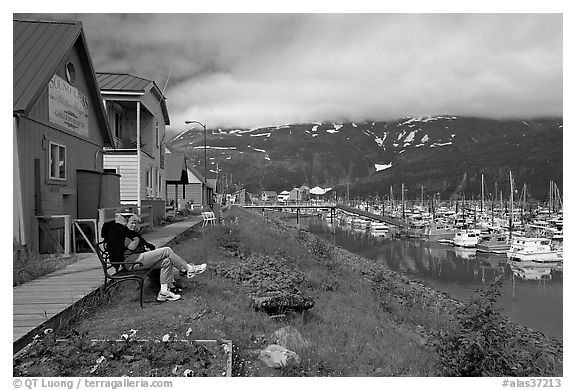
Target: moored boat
x=493, y=243
x=435, y=231
x=467, y=238
x=378, y=229
x=533, y=249
x=360, y=223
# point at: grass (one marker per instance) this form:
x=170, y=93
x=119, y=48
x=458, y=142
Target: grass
x=366, y=321
x=28, y=266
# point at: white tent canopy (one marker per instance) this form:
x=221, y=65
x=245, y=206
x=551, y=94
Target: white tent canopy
x=319, y=191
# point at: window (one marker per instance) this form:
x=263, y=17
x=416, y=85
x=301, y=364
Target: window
x=157, y=135
x=117, y=125
x=57, y=157
x=70, y=73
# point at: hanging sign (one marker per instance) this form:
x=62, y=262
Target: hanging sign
x=67, y=106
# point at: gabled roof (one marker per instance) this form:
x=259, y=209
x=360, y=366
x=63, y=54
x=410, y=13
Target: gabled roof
x=211, y=183
x=39, y=48
x=196, y=173
x=175, y=168
x=124, y=82
x=269, y=193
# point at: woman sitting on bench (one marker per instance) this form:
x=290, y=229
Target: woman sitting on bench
x=133, y=247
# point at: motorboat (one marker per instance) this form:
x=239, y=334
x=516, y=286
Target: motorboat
x=360, y=223
x=435, y=232
x=493, y=243
x=467, y=238
x=413, y=231
x=533, y=249
x=378, y=229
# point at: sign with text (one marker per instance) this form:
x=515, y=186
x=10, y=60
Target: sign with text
x=67, y=106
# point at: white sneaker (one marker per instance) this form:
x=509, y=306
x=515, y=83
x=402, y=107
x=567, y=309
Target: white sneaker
x=167, y=296
x=195, y=270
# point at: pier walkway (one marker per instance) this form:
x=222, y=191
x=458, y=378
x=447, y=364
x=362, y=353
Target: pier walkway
x=45, y=301
x=333, y=207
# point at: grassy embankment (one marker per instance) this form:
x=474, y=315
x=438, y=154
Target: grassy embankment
x=367, y=320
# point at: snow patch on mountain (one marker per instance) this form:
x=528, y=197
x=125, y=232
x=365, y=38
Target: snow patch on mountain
x=436, y=144
x=425, y=138
x=381, y=167
x=216, y=147
x=410, y=137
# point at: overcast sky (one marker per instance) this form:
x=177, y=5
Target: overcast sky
x=250, y=70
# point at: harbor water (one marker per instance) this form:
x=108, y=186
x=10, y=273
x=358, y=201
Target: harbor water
x=530, y=297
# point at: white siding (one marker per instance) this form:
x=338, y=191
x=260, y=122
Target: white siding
x=127, y=168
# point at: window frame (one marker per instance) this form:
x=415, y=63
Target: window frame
x=61, y=148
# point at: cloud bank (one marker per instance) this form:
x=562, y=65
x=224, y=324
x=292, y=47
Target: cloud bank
x=250, y=70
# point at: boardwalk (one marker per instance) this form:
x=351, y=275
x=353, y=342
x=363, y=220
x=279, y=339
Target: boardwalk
x=46, y=299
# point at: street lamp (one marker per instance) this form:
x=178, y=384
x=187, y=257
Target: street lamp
x=204, y=127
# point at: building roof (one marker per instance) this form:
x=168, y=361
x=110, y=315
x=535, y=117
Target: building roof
x=196, y=173
x=175, y=168
x=268, y=193
x=124, y=82
x=39, y=49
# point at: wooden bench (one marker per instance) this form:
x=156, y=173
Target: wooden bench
x=113, y=276
x=208, y=218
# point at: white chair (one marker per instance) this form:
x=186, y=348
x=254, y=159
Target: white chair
x=208, y=218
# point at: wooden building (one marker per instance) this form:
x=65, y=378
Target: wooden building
x=137, y=116
x=269, y=196
x=59, y=131
x=193, y=191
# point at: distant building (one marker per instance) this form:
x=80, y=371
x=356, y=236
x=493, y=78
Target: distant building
x=269, y=196
x=301, y=194
x=284, y=196
x=193, y=191
x=242, y=196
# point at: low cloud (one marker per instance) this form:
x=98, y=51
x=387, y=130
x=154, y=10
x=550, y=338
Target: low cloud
x=249, y=70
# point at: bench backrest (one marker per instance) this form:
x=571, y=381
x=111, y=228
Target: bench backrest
x=104, y=258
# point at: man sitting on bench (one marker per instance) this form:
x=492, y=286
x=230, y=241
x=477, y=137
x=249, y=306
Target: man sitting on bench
x=124, y=244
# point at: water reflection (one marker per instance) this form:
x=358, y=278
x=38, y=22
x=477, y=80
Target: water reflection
x=531, y=296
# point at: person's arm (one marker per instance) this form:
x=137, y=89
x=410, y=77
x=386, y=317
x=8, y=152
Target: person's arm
x=131, y=244
x=145, y=243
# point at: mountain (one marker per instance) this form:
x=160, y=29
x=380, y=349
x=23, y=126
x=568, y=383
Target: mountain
x=445, y=154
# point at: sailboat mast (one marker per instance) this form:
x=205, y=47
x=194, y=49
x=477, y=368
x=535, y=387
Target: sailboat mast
x=422, y=198
x=511, y=204
x=403, y=212
x=482, y=204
